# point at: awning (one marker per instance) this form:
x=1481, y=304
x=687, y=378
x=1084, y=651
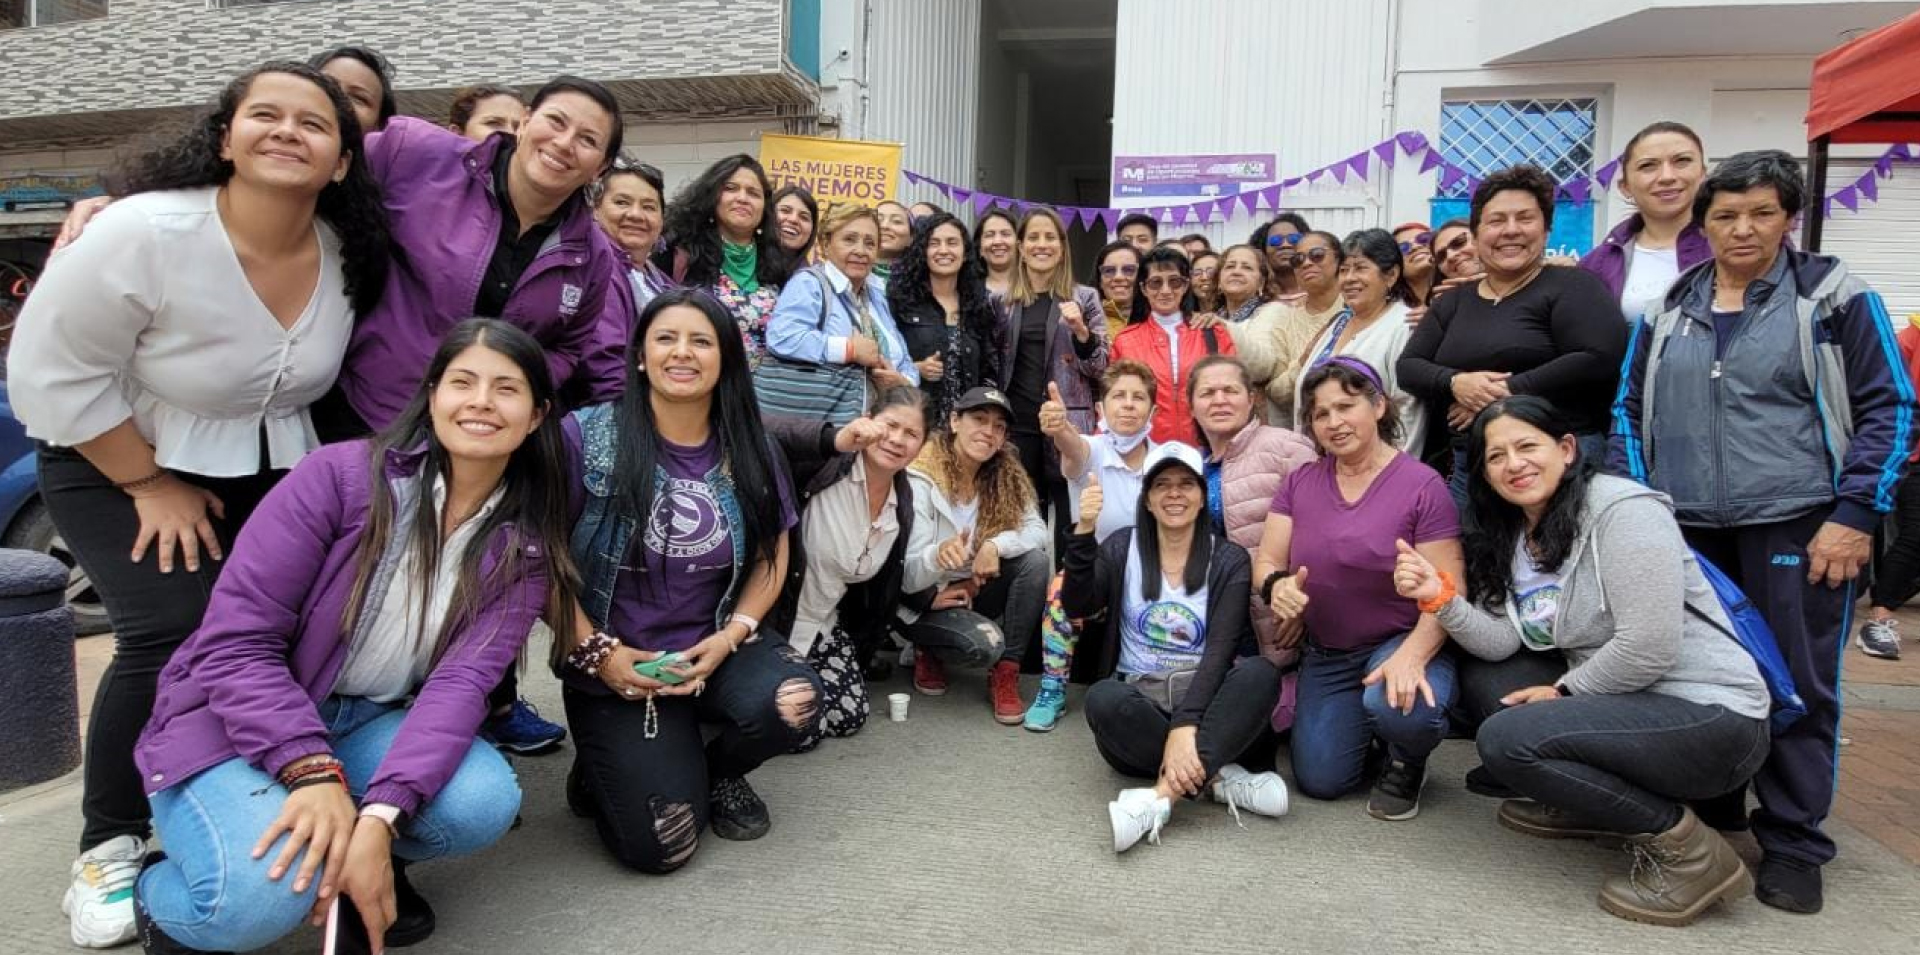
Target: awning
x=1868, y=91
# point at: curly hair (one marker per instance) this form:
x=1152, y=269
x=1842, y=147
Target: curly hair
x=1527, y=178
x=352, y=206
x=692, y=229
x=1005, y=492
x=912, y=284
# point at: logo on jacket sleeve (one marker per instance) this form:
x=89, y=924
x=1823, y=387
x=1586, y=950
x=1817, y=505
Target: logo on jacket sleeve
x=570, y=299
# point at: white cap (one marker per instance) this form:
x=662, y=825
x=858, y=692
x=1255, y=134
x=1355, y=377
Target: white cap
x=1171, y=453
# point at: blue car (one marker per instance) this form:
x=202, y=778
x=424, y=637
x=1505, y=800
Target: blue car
x=25, y=523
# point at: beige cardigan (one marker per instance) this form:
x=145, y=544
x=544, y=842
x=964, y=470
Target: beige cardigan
x=1273, y=344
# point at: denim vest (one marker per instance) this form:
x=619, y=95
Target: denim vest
x=601, y=538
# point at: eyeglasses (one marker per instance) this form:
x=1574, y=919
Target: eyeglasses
x=1276, y=241
x=1207, y=271
x=1158, y=282
x=1423, y=240
x=1119, y=271
x=1459, y=242
x=1316, y=256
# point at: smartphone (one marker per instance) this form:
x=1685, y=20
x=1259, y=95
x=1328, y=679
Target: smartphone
x=656, y=669
x=345, y=933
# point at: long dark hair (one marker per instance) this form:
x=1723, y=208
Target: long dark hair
x=352, y=206
x=692, y=229
x=1491, y=526
x=980, y=228
x=1146, y=537
x=601, y=97
x=735, y=418
x=911, y=286
x=533, y=508
x=372, y=60
x=1377, y=246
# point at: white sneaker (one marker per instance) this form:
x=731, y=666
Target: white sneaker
x=99, y=903
x=1137, y=813
x=1263, y=793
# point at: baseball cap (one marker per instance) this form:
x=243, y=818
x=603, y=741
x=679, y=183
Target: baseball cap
x=1166, y=455
x=983, y=396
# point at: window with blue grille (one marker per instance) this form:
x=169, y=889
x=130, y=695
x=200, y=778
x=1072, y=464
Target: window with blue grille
x=1485, y=135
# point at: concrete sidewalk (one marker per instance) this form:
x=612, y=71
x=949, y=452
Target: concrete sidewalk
x=949, y=833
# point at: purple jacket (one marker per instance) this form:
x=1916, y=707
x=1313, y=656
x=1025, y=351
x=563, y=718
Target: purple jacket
x=1608, y=260
x=249, y=681
x=438, y=186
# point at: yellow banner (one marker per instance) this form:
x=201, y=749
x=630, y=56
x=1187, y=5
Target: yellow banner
x=834, y=170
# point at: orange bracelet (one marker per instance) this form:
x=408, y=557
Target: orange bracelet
x=1447, y=592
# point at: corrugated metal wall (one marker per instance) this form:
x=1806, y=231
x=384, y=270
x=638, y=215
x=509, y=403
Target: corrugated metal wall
x=1305, y=81
x=923, y=68
x=1877, y=242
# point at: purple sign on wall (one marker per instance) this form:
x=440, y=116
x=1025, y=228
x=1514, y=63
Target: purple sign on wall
x=1213, y=175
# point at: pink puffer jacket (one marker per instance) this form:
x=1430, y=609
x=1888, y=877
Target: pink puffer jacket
x=1257, y=460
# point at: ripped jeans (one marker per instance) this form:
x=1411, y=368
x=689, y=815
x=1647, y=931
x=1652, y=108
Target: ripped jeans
x=649, y=796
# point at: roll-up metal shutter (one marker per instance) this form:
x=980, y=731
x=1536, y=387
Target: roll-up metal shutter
x=1881, y=242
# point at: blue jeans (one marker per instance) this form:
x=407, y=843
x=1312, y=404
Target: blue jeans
x=1336, y=717
x=210, y=894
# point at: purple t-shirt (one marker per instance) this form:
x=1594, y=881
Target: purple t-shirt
x=678, y=568
x=1348, y=547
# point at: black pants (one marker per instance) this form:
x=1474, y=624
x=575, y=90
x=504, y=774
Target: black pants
x=1051, y=491
x=152, y=613
x=1897, y=578
x=650, y=795
x=1810, y=621
x=1622, y=762
x=1131, y=730
x=999, y=625
x=1479, y=684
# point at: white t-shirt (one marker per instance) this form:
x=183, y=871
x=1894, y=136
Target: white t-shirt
x=967, y=516
x=1650, y=272
x=1536, y=599
x=1171, y=324
x=1119, y=486
x=1165, y=635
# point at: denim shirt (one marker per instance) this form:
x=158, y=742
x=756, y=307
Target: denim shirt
x=602, y=534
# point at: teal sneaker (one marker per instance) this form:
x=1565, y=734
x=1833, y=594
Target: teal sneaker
x=1048, y=706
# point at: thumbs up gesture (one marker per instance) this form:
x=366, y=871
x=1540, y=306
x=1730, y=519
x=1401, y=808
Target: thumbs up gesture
x=1289, y=600
x=1091, y=500
x=1053, y=413
x=1414, y=576
x=957, y=552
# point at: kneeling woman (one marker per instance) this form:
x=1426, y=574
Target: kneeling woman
x=682, y=548
x=1373, y=666
x=407, y=567
x=1177, y=707
x=1660, y=705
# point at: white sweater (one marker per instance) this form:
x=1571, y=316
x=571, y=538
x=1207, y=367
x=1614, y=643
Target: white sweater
x=1379, y=345
x=149, y=316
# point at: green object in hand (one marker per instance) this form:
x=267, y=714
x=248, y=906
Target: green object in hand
x=656, y=669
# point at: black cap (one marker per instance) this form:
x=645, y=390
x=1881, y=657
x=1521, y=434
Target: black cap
x=984, y=396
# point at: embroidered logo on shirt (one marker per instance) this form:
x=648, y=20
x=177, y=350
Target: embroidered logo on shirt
x=687, y=522
x=570, y=299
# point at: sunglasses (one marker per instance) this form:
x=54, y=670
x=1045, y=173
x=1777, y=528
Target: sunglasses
x=1276, y=241
x=1119, y=271
x=1423, y=240
x=1459, y=242
x=1316, y=256
x=1158, y=282
x=625, y=164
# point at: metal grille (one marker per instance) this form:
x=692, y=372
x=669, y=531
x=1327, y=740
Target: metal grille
x=1485, y=135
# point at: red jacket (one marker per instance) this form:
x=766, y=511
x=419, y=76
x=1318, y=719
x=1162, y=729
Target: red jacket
x=1144, y=342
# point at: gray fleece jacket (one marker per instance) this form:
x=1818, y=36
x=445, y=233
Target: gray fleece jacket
x=1635, y=611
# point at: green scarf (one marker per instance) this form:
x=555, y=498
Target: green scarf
x=742, y=265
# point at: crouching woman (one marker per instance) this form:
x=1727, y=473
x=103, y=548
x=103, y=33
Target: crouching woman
x=1660, y=705
x=284, y=764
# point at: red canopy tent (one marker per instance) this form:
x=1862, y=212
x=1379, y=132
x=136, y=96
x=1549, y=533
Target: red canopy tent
x=1866, y=91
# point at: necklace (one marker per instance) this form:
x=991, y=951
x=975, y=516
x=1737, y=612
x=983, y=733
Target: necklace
x=1498, y=297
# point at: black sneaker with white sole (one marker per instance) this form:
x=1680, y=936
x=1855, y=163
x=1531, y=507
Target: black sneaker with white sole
x=735, y=811
x=1396, y=795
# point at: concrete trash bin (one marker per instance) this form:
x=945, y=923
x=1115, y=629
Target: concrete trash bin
x=39, y=702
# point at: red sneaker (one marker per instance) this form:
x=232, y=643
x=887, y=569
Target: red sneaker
x=929, y=674
x=1003, y=687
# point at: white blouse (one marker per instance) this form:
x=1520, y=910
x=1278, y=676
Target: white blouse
x=149, y=316
x=845, y=546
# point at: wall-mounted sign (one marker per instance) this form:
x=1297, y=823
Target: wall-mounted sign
x=1212, y=175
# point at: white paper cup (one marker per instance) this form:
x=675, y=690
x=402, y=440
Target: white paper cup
x=897, y=706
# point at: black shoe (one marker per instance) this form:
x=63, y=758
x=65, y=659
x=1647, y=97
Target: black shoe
x=736, y=812
x=1789, y=885
x=413, y=920
x=1482, y=782
x=152, y=940
x=579, y=797
x=1396, y=796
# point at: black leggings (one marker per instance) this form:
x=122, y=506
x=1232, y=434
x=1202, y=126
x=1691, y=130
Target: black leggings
x=1130, y=730
x=650, y=795
x=152, y=613
x=1897, y=578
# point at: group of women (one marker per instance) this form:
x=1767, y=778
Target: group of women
x=731, y=449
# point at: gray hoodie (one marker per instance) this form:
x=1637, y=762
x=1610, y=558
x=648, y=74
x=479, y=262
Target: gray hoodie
x=1636, y=613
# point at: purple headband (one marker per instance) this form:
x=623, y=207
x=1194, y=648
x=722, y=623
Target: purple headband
x=1354, y=364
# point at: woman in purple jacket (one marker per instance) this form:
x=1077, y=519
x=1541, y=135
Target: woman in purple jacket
x=285, y=765
x=1660, y=171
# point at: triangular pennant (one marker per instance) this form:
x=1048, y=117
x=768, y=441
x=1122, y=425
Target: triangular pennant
x=1315, y=175
x=1606, y=174
x=1181, y=214
x=1358, y=163
x=956, y=193
x=1225, y=207
x=1826, y=207
x=1109, y=218
x=1250, y=201
x=1869, y=186
x=1384, y=152
x=1430, y=160
x=945, y=190
x=1580, y=190
x=1849, y=197
x=1411, y=142
x=1901, y=151
x=982, y=201
x=912, y=177
x=1884, y=167
x=1450, y=174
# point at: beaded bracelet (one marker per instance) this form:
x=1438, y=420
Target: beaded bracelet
x=592, y=653
x=332, y=773
x=141, y=484
x=305, y=765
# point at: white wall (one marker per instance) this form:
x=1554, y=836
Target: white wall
x=924, y=58
x=684, y=150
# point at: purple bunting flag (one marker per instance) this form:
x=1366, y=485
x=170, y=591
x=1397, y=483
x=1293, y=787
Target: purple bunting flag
x=1849, y=197
x=1901, y=151
x=1358, y=163
x=1109, y=218
x=1580, y=190
x=913, y=177
x=1270, y=196
x=956, y=193
x=1430, y=160
x=1450, y=174
x=1869, y=186
x=1384, y=152
x=1224, y=207
x=982, y=201
x=1181, y=214
x=1606, y=174
x=1411, y=142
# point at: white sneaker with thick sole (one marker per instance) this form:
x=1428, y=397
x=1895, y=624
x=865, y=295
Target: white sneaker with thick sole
x=99, y=903
x=1137, y=813
x=1263, y=793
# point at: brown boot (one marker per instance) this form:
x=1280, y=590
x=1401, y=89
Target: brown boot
x=1545, y=822
x=1676, y=875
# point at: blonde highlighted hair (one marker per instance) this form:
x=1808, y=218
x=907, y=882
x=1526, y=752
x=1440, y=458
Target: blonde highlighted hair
x=1005, y=491
x=840, y=215
x=1060, y=283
